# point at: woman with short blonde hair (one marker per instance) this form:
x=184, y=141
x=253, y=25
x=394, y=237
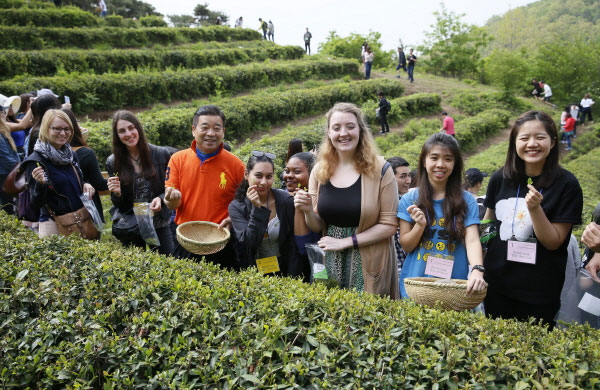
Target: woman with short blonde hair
x=357, y=232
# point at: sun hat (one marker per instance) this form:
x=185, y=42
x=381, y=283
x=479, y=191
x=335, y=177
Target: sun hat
x=13, y=101
x=45, y=91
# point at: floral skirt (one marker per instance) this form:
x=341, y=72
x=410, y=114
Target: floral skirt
x=345, y=266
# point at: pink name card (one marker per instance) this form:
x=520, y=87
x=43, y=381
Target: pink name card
x=438, y=267
x=521, y=252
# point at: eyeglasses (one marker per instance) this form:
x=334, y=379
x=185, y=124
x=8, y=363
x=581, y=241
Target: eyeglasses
x=59, y=130
x=258, y=153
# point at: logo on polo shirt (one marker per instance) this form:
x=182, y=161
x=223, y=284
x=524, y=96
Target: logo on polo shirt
x=223, y=183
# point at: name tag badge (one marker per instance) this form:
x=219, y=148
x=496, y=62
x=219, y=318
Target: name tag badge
x=521, y=251
x=438, y=267
x=267, y=265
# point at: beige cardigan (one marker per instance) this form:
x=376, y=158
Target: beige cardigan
x=378, y=204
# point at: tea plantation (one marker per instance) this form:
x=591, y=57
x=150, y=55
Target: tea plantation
x=92, y=315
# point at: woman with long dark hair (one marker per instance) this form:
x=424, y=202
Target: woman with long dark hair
x=439, y=220
x=137, y=174
x=263, y=218
x=38, y=108
x=535, y=203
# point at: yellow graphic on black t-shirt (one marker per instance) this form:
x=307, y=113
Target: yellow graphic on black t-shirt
x=428, y=245
x=440, y=246
x=442, y=222
x=223, y=183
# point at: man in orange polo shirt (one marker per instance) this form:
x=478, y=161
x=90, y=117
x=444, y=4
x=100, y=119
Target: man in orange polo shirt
x=201, y=181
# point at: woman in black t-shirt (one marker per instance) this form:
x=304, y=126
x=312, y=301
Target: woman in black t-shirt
x=536, y=203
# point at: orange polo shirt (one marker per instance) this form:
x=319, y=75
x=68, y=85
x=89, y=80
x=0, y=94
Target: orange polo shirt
x=206, y=187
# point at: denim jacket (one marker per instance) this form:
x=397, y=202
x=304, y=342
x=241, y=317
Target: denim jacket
x=8, y=157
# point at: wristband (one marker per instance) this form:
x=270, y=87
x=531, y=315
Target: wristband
x=354, y=242
x=479, y=268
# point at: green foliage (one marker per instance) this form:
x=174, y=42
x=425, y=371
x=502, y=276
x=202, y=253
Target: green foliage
x=80, y=314
x=246, y=115
x=350, y=47
x=26, y=3
x=586, y=169
x=490, y=159
x=48, y=62
x=113, y=91
x=507, y=69
x=152, y=21
x=115, y=21
x=28, y=38
x=207, y=17
x=126, y=8
x=452, y=47
x=182, y=20
x=472, y=102
x=404, y=107
x=50, y=17
x=584, y=144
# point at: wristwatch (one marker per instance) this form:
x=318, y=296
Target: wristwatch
x=479, y=268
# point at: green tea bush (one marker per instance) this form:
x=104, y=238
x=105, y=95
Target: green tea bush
x=50, y=17
x=29, y=38
x=25, y=3
x=472, y=103
x=584, y=143
x=586, y=169
x=245, y=115
x=404, y=107
x=49, y=62
x=152, y=21
x=88, y=315
x=111, y=91
x=490, y=159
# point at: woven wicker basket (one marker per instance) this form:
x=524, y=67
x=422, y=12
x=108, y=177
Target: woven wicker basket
x=202, y=238
x=451, y=294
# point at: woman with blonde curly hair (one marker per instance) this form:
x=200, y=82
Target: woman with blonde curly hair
x=352, y=200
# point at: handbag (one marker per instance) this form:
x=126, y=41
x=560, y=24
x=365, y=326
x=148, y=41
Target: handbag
x=79, y=221
x=125, y=226
x=15, y=182
x=25, y=211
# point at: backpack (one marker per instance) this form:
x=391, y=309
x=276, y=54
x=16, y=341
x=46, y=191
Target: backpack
x=388, y=106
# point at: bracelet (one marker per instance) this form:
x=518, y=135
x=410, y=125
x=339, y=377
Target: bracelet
x=354, y=242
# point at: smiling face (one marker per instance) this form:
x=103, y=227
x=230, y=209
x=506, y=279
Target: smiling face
x=344, y=132
x=533, y=145
x=208, y=133
x=439, y=165
x=296, y=172
x=128, y=133
x=403, y=179
x=59, y=133
x=261, y=176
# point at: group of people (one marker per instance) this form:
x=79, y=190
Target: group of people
x=407, y=63
x=573, y=114
x=268, y=29
x=384, y=231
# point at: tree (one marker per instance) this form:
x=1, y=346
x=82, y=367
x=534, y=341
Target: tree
x=507, y=69
x=206, y=17
x=350, y=47
x=125, y=8
x=452, y=47
x=182, y=20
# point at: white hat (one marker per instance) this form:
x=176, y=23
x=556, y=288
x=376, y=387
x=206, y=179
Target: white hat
x=13, y=101
x=45, y=91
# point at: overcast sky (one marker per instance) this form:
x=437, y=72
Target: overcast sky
x=394, y=19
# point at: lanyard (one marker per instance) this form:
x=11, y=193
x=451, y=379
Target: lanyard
x=512, y=227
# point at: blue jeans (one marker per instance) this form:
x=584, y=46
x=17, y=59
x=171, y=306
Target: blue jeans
x=568, y=136
x=411, y=69
x=368, y=70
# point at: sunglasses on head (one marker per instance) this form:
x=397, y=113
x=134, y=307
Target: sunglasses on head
x=258, y=153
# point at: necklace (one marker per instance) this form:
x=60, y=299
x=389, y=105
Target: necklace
x=135, y=160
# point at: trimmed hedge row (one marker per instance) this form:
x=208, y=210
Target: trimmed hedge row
x=89, y=315
x=51, y=17
x=469, y=132
x=245, y=114
x=116, y=90
x=586, y=169
x=584, y=143
x=49, y=62
x=490, y=159
x=25, y=3
x=472, y=102
x=416, y=104
x=30, y=38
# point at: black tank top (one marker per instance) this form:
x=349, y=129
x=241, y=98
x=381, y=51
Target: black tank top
x=340, y=206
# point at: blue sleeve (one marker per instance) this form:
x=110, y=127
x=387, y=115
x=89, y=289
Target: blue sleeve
x=406, y=201
x=472, y=217
x=301, y=241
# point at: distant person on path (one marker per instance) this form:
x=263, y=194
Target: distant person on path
x=537, y=89
x=369, y=56
x=586, y=108
x=547, y=92
x=448, y=125
x=103, y=10
x=575, y=114
x=307, y=38
x=569, y=128
x=401, y=60
x=201, y=181
x=239, y=23
x=263, y=27
x=384, y=109
x=271, y=31
x=412, y=59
